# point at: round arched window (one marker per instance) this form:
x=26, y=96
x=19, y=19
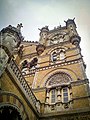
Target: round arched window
x=57, y=79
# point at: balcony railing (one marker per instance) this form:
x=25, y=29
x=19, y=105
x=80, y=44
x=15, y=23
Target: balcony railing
x=24, y=84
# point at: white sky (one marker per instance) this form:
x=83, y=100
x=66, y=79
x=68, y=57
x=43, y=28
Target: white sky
x=35, y=14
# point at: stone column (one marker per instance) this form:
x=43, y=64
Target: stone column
x=47, y=96
x=58, y=94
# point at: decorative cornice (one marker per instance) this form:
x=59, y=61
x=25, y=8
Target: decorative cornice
x=79, y=82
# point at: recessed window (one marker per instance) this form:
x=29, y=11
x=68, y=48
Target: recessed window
x=62, y=55
x=54, y=56
x=53, y=96
x=24, y=64
x=58, y=55
x=65, y=94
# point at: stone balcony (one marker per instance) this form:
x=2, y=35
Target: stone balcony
x=24, y=85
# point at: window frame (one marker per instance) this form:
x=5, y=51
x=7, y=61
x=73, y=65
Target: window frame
x=53, y=96
x=54, y=56
x=65, y=94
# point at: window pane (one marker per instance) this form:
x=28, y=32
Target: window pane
x=53, y=100
x=53, y=92
x=53, y=96
x=65, y=99
x=62, y=55
x=54, y=56
x=65, y=94
x=65, y=89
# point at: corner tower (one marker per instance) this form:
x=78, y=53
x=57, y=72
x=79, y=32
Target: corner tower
x=60, y=80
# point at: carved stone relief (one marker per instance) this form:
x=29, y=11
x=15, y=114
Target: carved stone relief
x=58, y=78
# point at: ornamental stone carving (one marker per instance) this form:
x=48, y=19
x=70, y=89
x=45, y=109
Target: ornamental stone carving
x=58, y=78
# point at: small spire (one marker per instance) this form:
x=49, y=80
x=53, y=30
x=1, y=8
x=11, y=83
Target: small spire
x=19, y=26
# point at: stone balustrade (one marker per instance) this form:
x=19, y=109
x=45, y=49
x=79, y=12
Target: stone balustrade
x=24, y=84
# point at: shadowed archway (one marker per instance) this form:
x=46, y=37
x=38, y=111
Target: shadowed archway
x=9, y=113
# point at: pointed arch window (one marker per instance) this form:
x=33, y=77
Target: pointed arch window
x=24, y=64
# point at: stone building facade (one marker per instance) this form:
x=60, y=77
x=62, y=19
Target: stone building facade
x=43, y=80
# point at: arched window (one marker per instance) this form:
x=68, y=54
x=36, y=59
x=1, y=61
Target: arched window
x=62, y=55
x=58, y=78
x=24, y=67
x=33, y=63
x=54, y=56
x=24, y=64
x=58, y=55
x=59, y=88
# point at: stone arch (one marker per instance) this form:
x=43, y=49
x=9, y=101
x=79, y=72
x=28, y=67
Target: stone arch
x=24, y=60
x=10, y=112
x=47, y=75
x=58, y=78
x=11, y=102
x=55, y=48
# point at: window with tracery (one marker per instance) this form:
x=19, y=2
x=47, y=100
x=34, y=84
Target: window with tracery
x=58, y=94
x=26, y=65
x=58, y=88
x=58, y=55
x=58, y=78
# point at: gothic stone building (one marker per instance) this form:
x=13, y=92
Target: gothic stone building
x=43, y=80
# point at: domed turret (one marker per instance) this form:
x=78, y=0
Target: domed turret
x=71, y=26
x=75, y=40
x=70, y=22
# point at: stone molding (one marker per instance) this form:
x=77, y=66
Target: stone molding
x=55, y=66
x=58, y=78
